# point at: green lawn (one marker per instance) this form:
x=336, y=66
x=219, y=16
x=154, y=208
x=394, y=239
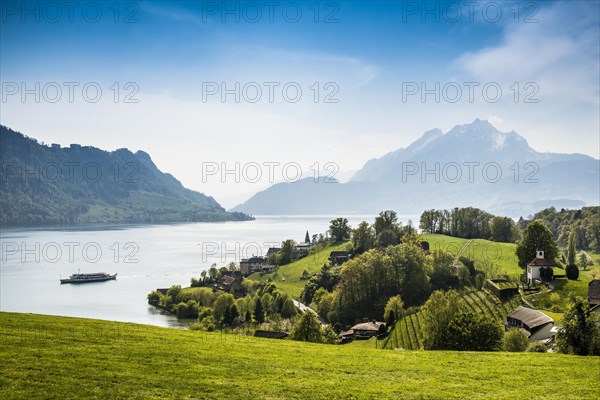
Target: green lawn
x=62, y=358
x=287, y=277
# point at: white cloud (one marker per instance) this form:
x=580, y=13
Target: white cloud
x=559, y=53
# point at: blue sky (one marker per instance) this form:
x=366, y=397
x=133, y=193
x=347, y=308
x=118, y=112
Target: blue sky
x=373, y=50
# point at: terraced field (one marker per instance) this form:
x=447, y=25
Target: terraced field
x=407, y=332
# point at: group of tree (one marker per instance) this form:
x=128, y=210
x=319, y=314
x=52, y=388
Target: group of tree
x=385, y=231
x=447, y=327
x=585, y=222
x=213, y=274
x=264, y=302
x=367, y=281
x=580, y=330
x=469, y=223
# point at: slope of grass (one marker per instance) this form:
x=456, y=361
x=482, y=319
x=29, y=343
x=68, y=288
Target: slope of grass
x=68, y=358
x=479, y=250
x=287, y=277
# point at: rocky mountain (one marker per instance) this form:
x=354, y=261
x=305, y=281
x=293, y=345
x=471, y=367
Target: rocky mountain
x=470, y=165
x=46, y=185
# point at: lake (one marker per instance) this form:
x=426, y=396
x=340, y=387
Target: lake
x=145, y=257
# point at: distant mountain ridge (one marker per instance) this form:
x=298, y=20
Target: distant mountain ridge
x=434, y=172
x=46, y=185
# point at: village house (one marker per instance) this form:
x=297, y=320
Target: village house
x=364, y=330
x=536, y=266
x=251, y=265
x=338, y=257
x=230, y=282
x=534, y=324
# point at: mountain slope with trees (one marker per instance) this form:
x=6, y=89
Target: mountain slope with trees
x=46, y=185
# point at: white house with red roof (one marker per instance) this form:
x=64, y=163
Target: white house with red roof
x=534, y=267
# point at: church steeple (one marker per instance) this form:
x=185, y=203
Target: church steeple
x=540, y=252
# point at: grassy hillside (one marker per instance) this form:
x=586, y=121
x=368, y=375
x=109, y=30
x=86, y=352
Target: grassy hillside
x=407, y=332
x=57, y=357
x=287, y=277
x=479, y=250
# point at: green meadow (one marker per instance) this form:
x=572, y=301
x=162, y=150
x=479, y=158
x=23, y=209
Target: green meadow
x=287, y=277
x=68, y=358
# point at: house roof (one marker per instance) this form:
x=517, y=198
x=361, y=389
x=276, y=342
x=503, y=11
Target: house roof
x=531, y=318
x=540, y=262
x=270, y=334
x=339, y=254
x=367, y=326
x=346, y=334
x=254, y=260
x=594, y=290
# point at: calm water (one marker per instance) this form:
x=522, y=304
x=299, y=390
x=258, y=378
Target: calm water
x=145, y=258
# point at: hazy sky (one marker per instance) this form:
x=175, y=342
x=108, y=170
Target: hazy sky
x=360, y=67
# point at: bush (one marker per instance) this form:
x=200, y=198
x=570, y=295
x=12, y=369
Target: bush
x=572, y=272
x=472, y=332
x=537, y=347
x=515, y=341
x=186, y=310
x=208, y=324
x=154, y=297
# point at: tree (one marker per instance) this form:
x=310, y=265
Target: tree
x=221, y=305
x=307, y=329
x=429, y=221
x=572, y=272
x=233, y=313
x=580, y=329
x=289, y=309
x=305, y=275
x=287, y=251
x=307, y=238
x=393, y=310
x=515, y=341
x=259, y=313
x=536, y=235
x=571, y=252
x=386, y=220
x=363, y=238
x=468, y=331
x=504, y=229
x=584, y=261
x=267, y=303
x=438, y=311
x=339, y=229
x=154, y=297
x=443, y=275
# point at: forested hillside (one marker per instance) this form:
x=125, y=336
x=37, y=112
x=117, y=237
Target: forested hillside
x=43, y=185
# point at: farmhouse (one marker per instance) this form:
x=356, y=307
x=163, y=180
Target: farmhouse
x=230, y=283
x=536, y=266
x=534, y=324
x=338, y=257
x=270, y=334
x=594, y=292
x=368, y=329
